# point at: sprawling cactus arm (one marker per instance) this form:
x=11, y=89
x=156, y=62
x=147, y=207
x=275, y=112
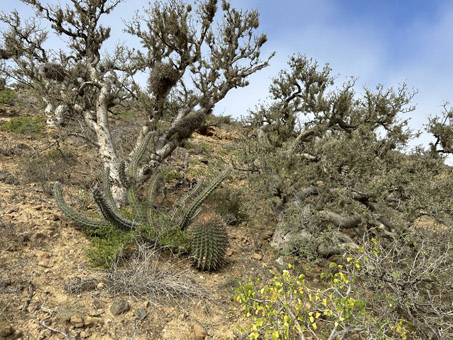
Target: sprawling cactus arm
x=108, y=190
x=123, y=177
x=139, y=211
x=153, y=187
x=179, y=207
x=109, y=214
x=195, y=215
x=138, y=154
x=188, y=216
x=73, y=215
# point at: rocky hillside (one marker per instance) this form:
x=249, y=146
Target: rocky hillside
x=48, y=287
x=59, y=282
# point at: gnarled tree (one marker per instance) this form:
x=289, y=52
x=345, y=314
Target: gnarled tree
x=330, y=163
x=30, y=65
x=194, y=57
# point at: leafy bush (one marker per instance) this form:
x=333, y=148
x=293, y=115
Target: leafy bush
x=54, y=165
x=24, y=125
x=107, y=245
x=229, y=203
x=410, y=278
x=287, y=308
x=7, y=96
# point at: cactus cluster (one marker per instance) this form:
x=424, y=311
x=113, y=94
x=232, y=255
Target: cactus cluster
x=144, y=214
x=209, y=241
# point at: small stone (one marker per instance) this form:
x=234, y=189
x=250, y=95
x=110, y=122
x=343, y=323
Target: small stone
x=5, y=329
x=119, y=307
x=257, y=256
x=147, y=304
x=141, y=314
x=76, y=321
x=95, y=312
x=93, y=321
x=38, y=236
x=268, y=236
x=100, y=285
x=43, y=264
x=281, y=261
x=199, y=333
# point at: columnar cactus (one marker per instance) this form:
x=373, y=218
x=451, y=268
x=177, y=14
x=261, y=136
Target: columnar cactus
x=209, y=241
x=143, y=212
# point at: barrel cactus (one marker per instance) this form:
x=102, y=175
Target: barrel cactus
x=144, y=214
x=209, y=241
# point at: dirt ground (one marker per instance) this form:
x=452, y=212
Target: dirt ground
x=49, y=289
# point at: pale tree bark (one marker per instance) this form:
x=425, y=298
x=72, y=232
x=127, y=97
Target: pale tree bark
x=98, y=121
x=54, y=115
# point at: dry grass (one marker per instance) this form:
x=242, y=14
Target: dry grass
x=146, y=276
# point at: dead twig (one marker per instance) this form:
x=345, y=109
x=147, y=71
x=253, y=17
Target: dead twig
x=30, y=296
x=66, y=336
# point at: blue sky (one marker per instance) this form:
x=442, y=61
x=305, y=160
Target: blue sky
x=380, y=42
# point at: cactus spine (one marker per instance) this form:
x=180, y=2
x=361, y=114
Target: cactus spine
x=209, y=242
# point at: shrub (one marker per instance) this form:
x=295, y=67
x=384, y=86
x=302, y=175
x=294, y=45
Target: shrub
x=24, y=125
x=287, y=308
x=220, y=120
x=54, y=165
x=229, y=203
x=7, y=96
x=410, y=278
x=147, y=277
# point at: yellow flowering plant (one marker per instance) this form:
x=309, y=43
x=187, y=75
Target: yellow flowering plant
x=288, y=308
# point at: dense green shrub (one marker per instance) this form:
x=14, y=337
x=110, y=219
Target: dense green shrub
x=7, y=96
x=24, y=125
x=229, y=203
